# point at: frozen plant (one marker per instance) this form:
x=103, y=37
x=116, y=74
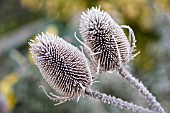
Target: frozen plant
x=67, y=70
x=110, y=49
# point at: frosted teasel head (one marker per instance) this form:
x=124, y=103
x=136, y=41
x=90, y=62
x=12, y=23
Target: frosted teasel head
x=67, y=71
x=61, y=64
x=110, y=47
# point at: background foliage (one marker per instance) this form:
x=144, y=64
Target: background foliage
x=21, y=20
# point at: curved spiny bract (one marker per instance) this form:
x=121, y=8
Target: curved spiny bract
x=61, y=64
x=102, y=34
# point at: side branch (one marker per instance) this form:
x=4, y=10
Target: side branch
x=113, y=101
x=142, y=89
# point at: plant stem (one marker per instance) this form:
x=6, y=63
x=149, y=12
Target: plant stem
x=142, y=89
x=116, y=102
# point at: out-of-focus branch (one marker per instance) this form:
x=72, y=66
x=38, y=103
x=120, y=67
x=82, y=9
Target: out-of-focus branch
x=17, y=37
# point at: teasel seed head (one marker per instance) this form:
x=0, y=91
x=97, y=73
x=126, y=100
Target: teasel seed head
x=105, y=37
x=61, y=64
x=111, y=49
x=67, y=71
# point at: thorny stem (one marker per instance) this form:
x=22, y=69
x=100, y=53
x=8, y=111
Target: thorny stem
x=113, y=101
x=142, y=89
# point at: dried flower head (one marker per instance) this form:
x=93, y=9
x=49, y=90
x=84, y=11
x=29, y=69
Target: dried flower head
x=106, y=39
x=67, y=71
x=61, y=64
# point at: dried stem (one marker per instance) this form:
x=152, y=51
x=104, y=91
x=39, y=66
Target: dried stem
x=142, y=89
x=111, y=100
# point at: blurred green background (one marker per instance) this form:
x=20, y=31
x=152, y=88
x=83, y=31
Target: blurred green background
x=22, y=20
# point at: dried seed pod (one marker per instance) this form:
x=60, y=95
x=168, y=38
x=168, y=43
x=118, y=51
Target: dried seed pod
x=106, y=39
x=111, y=49
x=61, y=64
x=66, y=69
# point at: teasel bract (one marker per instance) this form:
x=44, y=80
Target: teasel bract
x=67, y=71
x=110, y=49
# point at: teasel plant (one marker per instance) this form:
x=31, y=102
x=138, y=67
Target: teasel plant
x=67, y=70
x=110, y=49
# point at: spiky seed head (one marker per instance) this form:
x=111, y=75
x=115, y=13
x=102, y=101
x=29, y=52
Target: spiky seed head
x=102, y=34
x=61, y=64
